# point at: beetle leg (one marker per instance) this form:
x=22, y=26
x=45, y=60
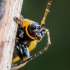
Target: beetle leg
x=22, y=51
x=17, y=20
x=48, y=34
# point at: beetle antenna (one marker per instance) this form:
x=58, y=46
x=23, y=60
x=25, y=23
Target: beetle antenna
x=46, y=12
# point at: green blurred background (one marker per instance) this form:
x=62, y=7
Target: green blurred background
x=57, y=57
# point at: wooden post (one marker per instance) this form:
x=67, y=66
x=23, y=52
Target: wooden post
x=8, y=30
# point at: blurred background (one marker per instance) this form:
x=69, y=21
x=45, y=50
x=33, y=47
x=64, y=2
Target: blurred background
x=57, y=57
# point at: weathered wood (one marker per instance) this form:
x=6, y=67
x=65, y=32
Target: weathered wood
x=8, y=30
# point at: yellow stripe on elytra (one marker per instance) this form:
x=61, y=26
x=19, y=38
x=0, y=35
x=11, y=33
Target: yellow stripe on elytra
x=16, y=59
x=32, y=45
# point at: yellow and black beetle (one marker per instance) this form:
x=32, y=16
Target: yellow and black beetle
x=28, y=34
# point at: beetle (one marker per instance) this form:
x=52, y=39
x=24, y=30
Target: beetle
x=28, y=34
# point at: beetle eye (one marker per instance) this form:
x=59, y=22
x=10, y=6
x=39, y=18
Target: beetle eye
x=33, y=28
x=39, y=27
